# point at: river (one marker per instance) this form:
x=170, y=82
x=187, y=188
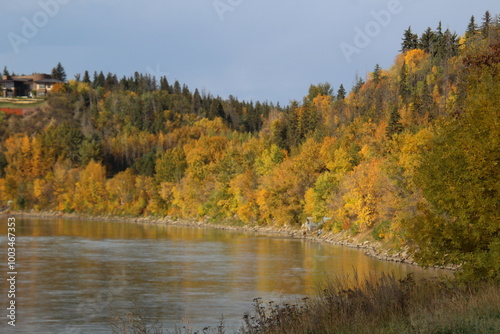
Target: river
x=73, y=276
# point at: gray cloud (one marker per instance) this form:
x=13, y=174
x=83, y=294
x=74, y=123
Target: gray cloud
x=265, y=50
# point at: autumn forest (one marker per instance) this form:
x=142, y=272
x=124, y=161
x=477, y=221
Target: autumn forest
x=410, y=155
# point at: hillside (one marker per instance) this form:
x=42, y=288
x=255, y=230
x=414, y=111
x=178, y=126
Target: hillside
x=411, y=155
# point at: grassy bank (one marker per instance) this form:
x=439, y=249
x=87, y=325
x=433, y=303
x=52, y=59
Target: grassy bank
x=386, y=305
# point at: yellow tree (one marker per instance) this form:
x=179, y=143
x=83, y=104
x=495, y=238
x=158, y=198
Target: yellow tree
x=90, y=190
x=121, y=191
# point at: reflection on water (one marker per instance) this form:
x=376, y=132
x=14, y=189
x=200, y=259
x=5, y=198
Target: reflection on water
x=73, y=275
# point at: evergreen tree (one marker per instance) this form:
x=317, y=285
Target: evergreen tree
x=449, y=44
x=485, y=30
x=410, y=41
x=377, y=74
x=58, y=73
x=404, y=89
x=185, y=92
x=341, y=93
x=427, y=41
x=86, y=77
x=164, y=83
x=359, y=83
x=438, y=51
x=439, y=30
x=471, y=28
x=124, y=84
x=216, y=109
x=177, y=87
x=111, y=81
x=5, y=71
x=196, y=102
x=101, y=80
x=394, y=126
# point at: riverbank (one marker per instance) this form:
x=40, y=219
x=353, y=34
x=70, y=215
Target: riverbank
x=371, y=248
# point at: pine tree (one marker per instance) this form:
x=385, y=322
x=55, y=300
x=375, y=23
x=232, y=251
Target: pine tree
x=471, y=28
x=485, y=30
x=410, y=41
x=58, y=73
x=5, y=71
x=341, y=93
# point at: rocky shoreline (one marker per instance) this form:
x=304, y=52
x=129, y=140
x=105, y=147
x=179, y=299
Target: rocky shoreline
x=372, y=249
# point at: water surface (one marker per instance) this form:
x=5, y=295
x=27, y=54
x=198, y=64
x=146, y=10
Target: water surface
x=73, y=275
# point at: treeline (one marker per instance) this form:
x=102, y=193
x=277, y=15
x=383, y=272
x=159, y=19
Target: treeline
x=409, y=156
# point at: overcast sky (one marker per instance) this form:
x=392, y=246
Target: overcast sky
x=252, y=49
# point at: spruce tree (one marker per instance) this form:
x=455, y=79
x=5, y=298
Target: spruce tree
x=439, y=46
x=485, y=30
x=196, y=102
x=164, y=83
x=404, y=89
x=410, y=41
x=58, y=73
x=5, y=71
x=394, y=126
x=427, y=41
x=86, y=77
x=341, y=93
x=177, y=88
x=99, y=79
x=471, y=28
x=359, y=83
x=377, y=74
x=216, y=109
x=450, y=44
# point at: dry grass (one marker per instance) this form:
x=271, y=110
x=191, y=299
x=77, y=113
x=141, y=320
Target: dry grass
x=384, y=305
x=373, y=305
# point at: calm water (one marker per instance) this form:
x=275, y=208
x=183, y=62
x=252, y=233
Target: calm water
x=73, y=275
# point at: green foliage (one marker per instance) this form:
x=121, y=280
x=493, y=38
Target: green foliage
x=394, y=126
x=410, y=41
x=460, y=178
x=341, y=93
x=59, y=73
x=380, y=231
x=319, y=89
x=171, y=165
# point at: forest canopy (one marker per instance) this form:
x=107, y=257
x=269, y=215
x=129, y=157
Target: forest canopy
x=411, y=154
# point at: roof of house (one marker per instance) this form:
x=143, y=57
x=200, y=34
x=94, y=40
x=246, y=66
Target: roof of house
x=48, y=81
x=41, y=79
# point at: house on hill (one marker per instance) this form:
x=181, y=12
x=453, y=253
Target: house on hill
x=27, y=85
